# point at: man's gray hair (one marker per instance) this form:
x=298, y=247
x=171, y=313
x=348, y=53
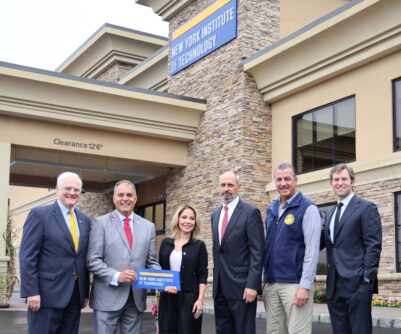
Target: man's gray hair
x=237, y=177
x=285, y=165
x=68, y=175
x=127, y=182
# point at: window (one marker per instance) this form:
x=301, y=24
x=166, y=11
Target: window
x=322, y=263
x=398, y=231
x=324, y=136
x=156, y=213
x=397, y=113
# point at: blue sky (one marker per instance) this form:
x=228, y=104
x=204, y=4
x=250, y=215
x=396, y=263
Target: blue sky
x=43, y=33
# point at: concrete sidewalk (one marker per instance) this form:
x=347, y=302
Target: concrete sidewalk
x=383, y=317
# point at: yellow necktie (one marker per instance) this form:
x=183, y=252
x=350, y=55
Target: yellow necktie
x=74, y=230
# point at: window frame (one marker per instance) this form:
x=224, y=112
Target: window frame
x=393, y=83
x=141, y=212
x=335, y=130
x=397, y=224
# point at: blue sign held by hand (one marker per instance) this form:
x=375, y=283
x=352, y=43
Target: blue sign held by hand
x=157, y=279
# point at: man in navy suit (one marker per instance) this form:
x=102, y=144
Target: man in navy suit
x=238, y=248
x=54, y=279
x=353, y=237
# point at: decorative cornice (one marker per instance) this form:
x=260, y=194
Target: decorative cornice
x=87, y=103
x=159, y=56
x=363, y=32
x=109, y=59
x=108, y=44
x=165, y=8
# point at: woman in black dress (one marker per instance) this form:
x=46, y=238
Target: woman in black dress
x=180, y=312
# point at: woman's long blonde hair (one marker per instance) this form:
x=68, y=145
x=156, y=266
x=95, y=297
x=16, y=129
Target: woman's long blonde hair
x=174, y=223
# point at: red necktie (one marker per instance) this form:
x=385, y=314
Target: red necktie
x=128, y=232
x=224, y=223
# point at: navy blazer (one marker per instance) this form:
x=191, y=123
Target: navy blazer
x=238, y=261
x=355, y=253
x=48, y=261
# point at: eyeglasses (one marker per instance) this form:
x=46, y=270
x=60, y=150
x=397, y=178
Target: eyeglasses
x=69, y=189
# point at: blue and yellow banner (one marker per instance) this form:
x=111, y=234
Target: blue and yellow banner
x=157, y=279
x=204, y=33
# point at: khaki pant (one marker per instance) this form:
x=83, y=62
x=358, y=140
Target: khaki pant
x=282, y=316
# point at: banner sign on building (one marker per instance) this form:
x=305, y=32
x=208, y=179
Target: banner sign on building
x=206, y=32
x=157, y=279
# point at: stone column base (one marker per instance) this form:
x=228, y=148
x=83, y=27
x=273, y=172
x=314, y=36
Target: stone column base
x=4, y=300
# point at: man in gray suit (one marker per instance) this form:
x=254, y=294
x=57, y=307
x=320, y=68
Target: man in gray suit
x=120, y=243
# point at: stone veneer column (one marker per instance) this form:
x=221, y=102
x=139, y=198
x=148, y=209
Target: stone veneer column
x=235, y=130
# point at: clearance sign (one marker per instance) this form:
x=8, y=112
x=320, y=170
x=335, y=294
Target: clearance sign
x=206, y=32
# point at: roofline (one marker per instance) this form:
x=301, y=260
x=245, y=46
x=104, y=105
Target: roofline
x=144, y=63
x=301, y=31
x=120, y=87
x=67, y=62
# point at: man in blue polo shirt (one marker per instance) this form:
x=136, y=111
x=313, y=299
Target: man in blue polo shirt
x=292, y=251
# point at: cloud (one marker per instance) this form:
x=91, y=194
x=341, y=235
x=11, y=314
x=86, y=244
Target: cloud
x=43, y=33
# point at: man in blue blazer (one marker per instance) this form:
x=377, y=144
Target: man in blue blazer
x=54, y=279
x=238, y=250
x=353, y=237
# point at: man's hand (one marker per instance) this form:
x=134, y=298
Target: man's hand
x=301, y=297
x=127, y=276
x=33, y=303
x=249, y=295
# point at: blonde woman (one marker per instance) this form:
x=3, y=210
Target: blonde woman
x=181, y=311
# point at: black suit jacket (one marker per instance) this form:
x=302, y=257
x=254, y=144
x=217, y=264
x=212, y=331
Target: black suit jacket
x=238, y=261
x=48, y=261
x=193, y=265
x=355, y=253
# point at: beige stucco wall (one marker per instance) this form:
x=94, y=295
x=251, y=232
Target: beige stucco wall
x=296, y=14
x=371, y=85
x=22, y=199
x=119, y=145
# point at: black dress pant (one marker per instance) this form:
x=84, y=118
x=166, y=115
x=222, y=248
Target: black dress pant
x=175, y=313
x=351, y=312
x=234, y=315
x=57, y=321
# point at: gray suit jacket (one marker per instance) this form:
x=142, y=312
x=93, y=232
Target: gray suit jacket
x=109, y=252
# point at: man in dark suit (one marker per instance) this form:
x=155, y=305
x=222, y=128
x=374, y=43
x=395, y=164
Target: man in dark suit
x=238, y=247
x=54, y=279
x=353, y=237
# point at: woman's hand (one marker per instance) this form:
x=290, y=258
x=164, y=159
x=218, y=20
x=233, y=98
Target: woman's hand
x=197, y=310
x=170, y=289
